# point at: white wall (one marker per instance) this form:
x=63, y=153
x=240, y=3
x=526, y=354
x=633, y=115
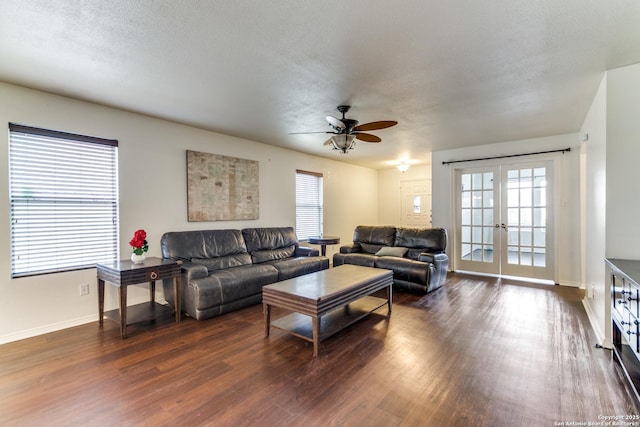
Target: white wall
x=152, y=168
x=567, y=177
x=389, y=197
x=622, y=163
x=597, y=302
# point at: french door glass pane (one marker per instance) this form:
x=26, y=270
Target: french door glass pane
x=477, y=217
x=477, y=253
x=466, y=217
x=512, y=217
x=539, y=196
x=466, y=234
x=488, y=217
x=539, y=217
x=512, y=198
x=512, y=255
x=487, y=237
x=488, y=253
x=476, y=181
x=539, y=258
x=488, y=181
x=466, y=199
x=525, y=197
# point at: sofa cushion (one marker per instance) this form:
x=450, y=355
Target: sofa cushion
x=269, y=244
x=429, y=239
x=369, y=248
x=396, y=251
x=259, y=257
x=294, y=267
x=223, y=262
x=365, y=260
x=375, y=235
x=404, y=269
x=231, y=284
x=202, y=244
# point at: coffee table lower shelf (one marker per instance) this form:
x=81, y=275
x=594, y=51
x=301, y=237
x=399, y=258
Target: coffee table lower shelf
x=301, y=325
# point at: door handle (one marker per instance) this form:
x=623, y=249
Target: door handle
x=501, y=226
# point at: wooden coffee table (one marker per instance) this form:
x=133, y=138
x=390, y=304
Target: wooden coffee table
x=327, y=301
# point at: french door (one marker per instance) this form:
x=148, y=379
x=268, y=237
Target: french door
x=504, y=223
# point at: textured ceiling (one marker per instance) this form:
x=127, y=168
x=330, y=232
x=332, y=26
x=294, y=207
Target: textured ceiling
x=453, y=74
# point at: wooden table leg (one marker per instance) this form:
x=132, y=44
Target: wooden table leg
x=389, y=297
x=176, y=298
x=100, y=300
x=123, y=311
x=266, y=308
x=152, y=291
x=316, y=335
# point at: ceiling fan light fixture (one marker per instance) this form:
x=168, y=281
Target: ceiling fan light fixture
x=343, y=142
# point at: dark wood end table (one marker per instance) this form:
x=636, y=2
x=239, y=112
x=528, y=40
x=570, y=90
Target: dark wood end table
x=323, y=241
x=124, y=273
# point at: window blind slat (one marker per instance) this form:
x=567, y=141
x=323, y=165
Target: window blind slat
x=309, y=204
x=63, y=201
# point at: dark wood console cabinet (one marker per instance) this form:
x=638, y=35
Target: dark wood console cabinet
x=625, y=315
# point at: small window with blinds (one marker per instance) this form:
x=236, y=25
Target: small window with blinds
x=309, y=210
x=63, y=191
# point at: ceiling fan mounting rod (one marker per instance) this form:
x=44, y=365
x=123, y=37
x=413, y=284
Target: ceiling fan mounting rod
x=343, y=109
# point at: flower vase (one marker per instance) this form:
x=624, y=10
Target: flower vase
x=138, y=259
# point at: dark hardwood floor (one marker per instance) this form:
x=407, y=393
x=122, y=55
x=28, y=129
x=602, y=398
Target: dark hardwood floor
x=478, y=352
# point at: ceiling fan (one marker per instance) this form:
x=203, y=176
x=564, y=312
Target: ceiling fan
x=346, y=131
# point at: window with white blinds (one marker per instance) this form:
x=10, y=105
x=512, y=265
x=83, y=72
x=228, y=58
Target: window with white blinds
x=308, y=204
x=63, y=200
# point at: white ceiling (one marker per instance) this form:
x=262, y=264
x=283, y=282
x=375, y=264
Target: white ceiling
x=453, y=74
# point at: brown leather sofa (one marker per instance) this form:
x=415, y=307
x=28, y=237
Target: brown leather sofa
x=416, y=256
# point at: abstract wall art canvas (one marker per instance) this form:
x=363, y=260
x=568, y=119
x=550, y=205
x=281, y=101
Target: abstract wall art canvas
x=221, y=188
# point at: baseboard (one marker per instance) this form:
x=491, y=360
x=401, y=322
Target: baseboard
x=53, y=327
x=41, y=330
x=571, y=284
x=594, y=324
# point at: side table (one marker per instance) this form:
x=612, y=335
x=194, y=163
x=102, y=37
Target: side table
x=124, y=273
x=323, y=241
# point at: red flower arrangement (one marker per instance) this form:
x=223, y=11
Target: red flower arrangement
x=139, y=242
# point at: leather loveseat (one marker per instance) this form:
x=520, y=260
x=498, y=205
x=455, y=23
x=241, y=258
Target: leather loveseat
x=416, y=256
x=224, y=270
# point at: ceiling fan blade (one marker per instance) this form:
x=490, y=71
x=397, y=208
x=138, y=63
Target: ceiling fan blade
x=376, y=125
x=336, y=123
x=367, y=137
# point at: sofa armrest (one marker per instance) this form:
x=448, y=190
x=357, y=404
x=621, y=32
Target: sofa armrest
x=350, y=249
x=305, y=251
x=438, y=265
x=433, y=258
x=194, y=271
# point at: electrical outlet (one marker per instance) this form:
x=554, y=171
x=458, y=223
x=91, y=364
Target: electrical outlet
x=84, y=289
x=591, y=290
